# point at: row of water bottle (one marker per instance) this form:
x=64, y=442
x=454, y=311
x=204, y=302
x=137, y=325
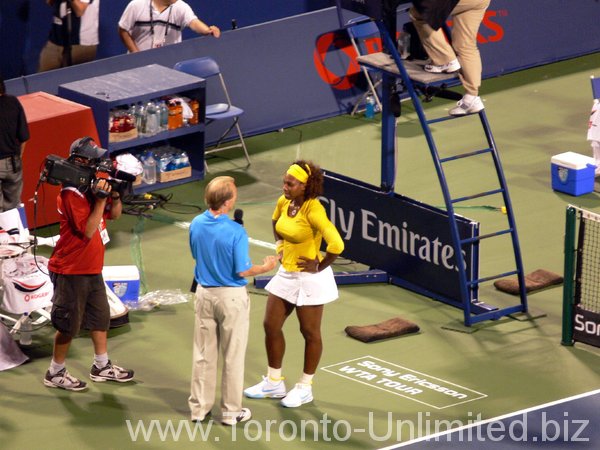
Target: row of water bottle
x=150, y=118
x=162, y=159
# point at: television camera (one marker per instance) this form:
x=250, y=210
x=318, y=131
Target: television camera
x=71, y=172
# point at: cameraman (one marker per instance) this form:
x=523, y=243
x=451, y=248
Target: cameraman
x=75, y=266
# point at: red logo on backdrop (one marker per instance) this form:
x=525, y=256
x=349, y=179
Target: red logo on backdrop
x=338, y=46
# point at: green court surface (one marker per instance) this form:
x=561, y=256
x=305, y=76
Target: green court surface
x=482, y=372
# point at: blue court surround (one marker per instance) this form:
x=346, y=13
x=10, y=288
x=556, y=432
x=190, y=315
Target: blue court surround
x=571, y=422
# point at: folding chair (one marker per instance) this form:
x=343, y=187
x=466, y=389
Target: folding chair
x=362, y=32
x=207, y=67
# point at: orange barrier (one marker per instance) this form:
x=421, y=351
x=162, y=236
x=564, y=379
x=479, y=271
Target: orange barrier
x=54, y=123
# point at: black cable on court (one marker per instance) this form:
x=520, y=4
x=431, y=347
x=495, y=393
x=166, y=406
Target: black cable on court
x=143, y=204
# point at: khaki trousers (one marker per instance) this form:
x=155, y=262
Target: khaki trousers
x=466, y=17
x=51, y=56
x=221, y=324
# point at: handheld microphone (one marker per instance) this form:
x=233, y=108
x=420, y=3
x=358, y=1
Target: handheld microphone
x=238, y=215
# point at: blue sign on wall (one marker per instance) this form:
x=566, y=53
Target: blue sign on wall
x=403, y=237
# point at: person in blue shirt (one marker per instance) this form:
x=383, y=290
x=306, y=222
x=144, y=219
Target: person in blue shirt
x=220, y=248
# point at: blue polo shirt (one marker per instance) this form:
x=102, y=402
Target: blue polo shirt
x=220, y=248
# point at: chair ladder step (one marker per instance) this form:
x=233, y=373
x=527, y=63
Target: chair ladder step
x=485, y=236
x=481, y=194
x=492, y=277
x=444, y=119
x=465, y=155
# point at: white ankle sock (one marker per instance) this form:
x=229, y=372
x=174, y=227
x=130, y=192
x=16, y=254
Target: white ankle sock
x=274, y=374
x=100, y=361
x=306, y=379
x=55, y=367
x=468, y=98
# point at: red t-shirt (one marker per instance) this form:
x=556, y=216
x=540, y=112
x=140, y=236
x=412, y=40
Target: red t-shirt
x=74, y=253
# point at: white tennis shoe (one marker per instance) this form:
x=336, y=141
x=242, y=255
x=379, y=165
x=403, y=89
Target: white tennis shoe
x=301, y=394
x=266, y=389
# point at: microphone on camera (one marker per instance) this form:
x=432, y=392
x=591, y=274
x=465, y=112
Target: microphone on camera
x=238, y=215
x=121, y=175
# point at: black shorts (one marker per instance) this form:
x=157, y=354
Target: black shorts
x=79, y=302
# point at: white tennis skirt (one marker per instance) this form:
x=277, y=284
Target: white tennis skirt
x=304, y=288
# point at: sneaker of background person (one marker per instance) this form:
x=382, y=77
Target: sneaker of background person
x=64, y=380
x=301, y=394
x=452, y=67
x=111, y=372
x=266, y=389
x=234, y=419
x=469, y=104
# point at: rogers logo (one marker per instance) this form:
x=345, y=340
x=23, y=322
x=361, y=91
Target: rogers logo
x=331, y=43
x=29, y=297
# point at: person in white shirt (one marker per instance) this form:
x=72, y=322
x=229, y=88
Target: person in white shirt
x=147, y=24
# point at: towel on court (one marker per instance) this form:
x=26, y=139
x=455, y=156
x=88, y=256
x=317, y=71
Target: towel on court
x=383, y=330
x=534, y=281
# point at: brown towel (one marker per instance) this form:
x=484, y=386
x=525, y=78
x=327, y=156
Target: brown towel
x=534, y=281
x=383, y=330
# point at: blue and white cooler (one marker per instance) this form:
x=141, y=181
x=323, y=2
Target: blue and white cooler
x=124, y=281
x=573, y=173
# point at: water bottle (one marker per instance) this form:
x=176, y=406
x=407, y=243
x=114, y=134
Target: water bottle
x=164, y=116
x=152, y=119
x=25, y=331
x=140, y=120
x=149, y=165
x=370, y=108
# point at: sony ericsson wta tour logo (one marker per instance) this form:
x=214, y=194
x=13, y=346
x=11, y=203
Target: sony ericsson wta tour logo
x=335, y=58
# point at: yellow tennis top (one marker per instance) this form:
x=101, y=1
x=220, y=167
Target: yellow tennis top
x=303, y=233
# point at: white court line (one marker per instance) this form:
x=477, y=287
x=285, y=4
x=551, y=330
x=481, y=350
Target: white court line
x=494, y=419
x=258, y=243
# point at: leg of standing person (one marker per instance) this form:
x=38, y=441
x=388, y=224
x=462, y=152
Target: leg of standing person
x=205, y=354
x=66, y=318
x=12, y=182
x=50, y=57
x=96, y=318
x=435, y=44
x=273, y=386
x=233, y=316
x=278, y=310
x=83, y=53
x=467, y=17
x=310, y=318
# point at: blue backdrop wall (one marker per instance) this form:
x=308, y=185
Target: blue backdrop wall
x=302, y=68
x=24, y=25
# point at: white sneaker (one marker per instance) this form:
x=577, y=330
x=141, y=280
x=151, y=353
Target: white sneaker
x=301, y=394
x=266, y=389
x=463, y=107
x=233, y=418
x=452, y=67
